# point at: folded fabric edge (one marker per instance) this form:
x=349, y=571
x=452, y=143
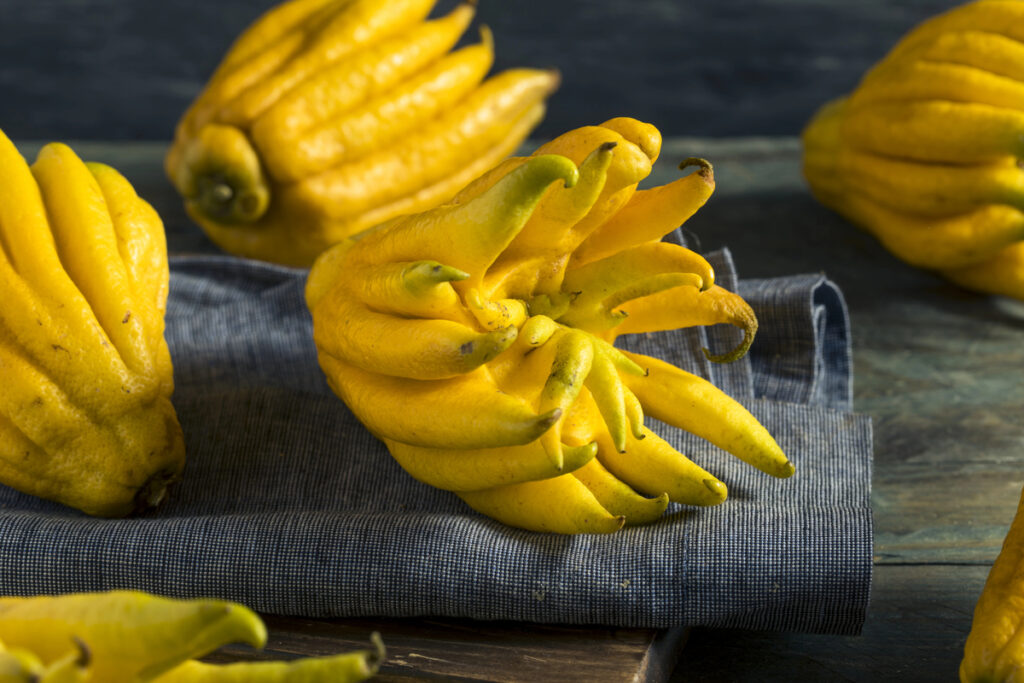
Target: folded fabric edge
x=252, y=558
x=805, y=355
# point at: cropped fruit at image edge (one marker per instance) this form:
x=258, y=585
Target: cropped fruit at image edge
x=925, y=154
x=85, y=416
x=134, y=636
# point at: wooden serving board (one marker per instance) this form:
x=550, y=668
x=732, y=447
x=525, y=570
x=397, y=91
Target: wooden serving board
x=462, y=650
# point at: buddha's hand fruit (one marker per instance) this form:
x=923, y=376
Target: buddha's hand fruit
x=477, y=339
x=85, y=411
x=349, y=667
x=994, y=652
x=129, y=635
x=133, y=636
x=925, y=152
x=329, y=116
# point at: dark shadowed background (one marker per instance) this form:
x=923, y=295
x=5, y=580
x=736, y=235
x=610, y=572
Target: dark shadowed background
x=126, y=69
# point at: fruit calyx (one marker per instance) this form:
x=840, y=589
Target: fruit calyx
x=221, y=176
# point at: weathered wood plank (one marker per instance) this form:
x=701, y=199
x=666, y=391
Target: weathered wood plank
x=126, y=69
x=457, y=650
x=919, y=620
x=920, y=616
x=941, y=516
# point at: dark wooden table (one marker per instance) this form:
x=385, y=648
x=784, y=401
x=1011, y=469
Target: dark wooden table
x=941, y=372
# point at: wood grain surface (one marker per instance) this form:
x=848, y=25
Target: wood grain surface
x=126, y=69
x=939, y=370
x=466, y=651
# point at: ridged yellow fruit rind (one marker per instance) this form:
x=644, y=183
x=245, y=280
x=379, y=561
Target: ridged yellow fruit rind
x=130, y=635
x=925, y=152
x=137, y=637
x=85, y=416
x=327, y=117
x=476, y=339
x=994, y=650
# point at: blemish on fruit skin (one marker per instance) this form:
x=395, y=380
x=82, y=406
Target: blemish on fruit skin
x=127, y=317
x=466, y=348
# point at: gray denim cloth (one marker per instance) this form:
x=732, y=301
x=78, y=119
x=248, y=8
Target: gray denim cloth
x=289, y=505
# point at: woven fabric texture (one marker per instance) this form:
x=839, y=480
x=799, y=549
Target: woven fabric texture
x=289, y=505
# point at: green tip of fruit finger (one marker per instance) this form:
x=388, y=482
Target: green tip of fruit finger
x=646, y=510
x=546, y=420
x=222, y=623
x=237, y=624
x=486, y=36
x=537, y=330
x=424, y=274
x=547, y=168
x=551, y=440
x=154, y=490
x=785, y=470
x=73, y=668
x=551, y=306
x=718, y=489
x=618, y=434
x=736, y=353
x=222, y=178
x=623, y=362
x=379, y=652
x=84, y=655
x=220, y=200
x=575, y=457
x=488, y=345
x=705, y=170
